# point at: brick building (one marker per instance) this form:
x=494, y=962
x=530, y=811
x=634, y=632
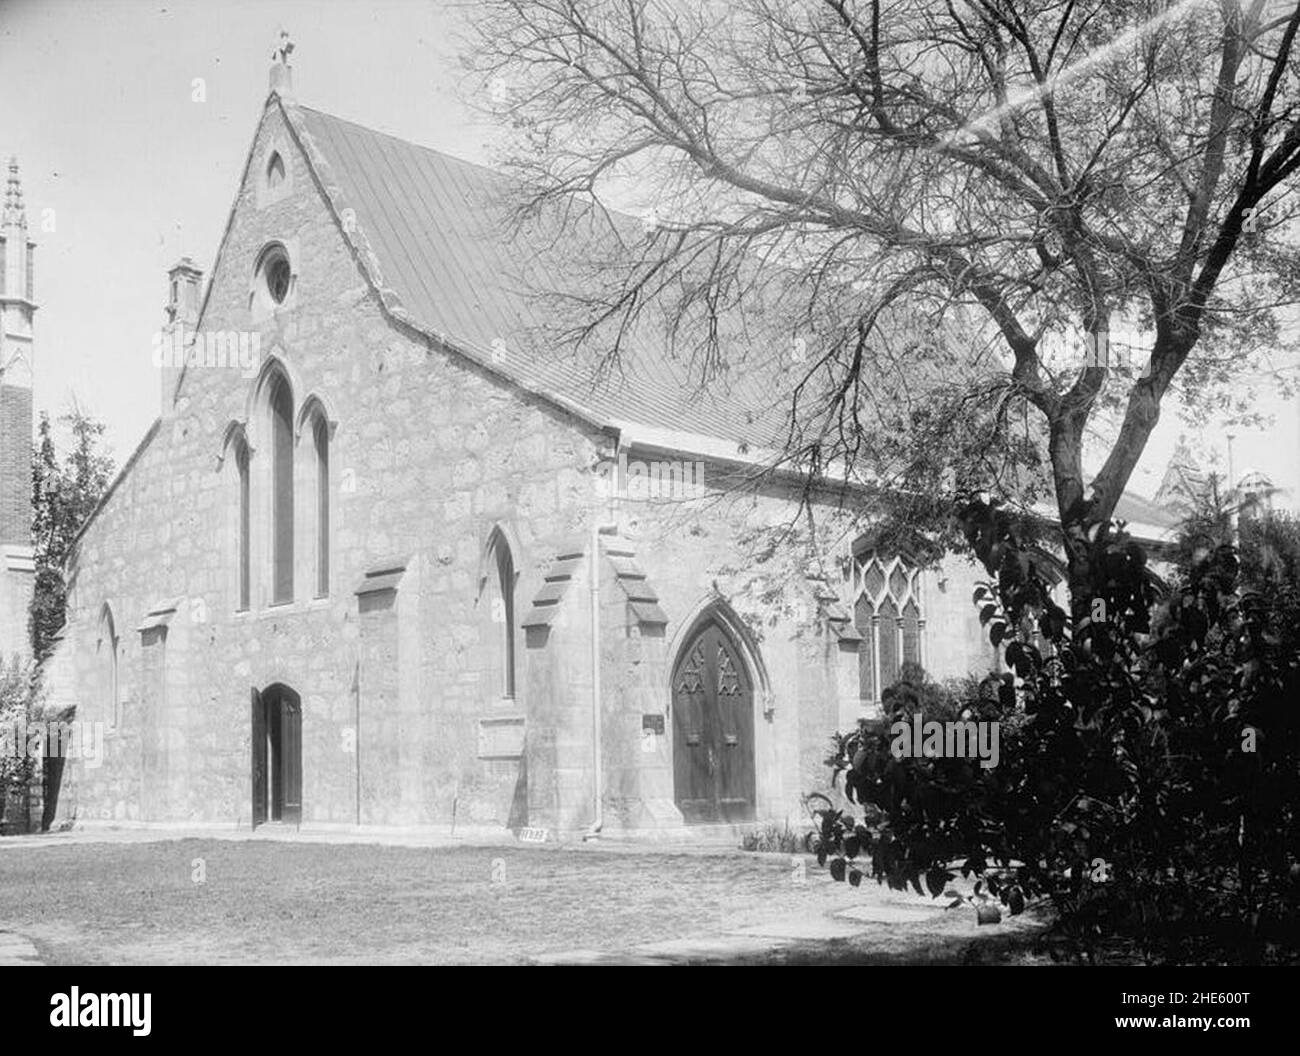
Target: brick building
x=371, y=566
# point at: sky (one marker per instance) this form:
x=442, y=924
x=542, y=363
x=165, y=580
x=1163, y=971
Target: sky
x=101, y=109
x=128, y=162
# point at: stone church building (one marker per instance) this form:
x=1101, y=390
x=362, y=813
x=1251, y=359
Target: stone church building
x=370, y=566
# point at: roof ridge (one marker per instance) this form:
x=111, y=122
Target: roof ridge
x=459, y=159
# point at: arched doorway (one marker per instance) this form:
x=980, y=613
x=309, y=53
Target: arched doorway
x=277, y=755
x=713, y=729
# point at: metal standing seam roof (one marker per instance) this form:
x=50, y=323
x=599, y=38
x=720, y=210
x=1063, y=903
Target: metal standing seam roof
x=1133, y=507
x=436, y=234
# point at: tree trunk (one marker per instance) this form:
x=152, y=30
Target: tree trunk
x=1065, y=446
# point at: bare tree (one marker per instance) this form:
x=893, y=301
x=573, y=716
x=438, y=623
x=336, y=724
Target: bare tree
x=1003, y=173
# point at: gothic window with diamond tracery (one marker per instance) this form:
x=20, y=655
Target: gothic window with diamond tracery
x=889, y=615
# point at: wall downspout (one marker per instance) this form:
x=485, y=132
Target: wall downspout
x=356, y=744
x=597, y=770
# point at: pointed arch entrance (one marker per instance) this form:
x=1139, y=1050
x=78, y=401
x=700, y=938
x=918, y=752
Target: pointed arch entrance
x=277, y=755
x=713, y=727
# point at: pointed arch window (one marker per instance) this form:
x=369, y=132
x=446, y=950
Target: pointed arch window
x=321, y=465
x=280, y=404
x=276, y=181
x=500, y=590
x=244, y=536
x=106, y=662
x=889, y=615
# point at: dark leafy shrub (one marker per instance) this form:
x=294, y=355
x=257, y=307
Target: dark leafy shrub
x=16, y=765
x=1147, y=783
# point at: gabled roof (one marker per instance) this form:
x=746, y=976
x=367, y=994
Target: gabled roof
x=1143, y=512
x=436, y=235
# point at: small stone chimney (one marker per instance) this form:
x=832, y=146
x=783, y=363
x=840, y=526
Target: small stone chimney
x=184, y=288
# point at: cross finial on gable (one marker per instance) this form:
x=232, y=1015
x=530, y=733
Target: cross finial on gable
x=281, y=71
x=283, y=49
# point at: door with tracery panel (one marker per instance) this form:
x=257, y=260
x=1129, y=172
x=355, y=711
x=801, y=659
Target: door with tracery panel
x=713, y=730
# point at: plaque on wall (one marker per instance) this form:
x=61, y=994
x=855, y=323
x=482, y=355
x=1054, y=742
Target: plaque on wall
x=501, y=738
x=653, y=723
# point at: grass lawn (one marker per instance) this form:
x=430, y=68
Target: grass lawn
x=269, y=902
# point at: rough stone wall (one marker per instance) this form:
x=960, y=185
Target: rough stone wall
x=559, y=690
x=805, y=679
x=428, y=455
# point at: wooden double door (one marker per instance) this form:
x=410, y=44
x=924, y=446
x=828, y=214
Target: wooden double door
x=277, y=756
x=713, y=730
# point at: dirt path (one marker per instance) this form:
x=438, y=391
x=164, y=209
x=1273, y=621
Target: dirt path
x=255, y=901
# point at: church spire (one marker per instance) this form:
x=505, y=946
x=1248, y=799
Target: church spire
x=1183, y=480
x=16, y=356
x=14, y=213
